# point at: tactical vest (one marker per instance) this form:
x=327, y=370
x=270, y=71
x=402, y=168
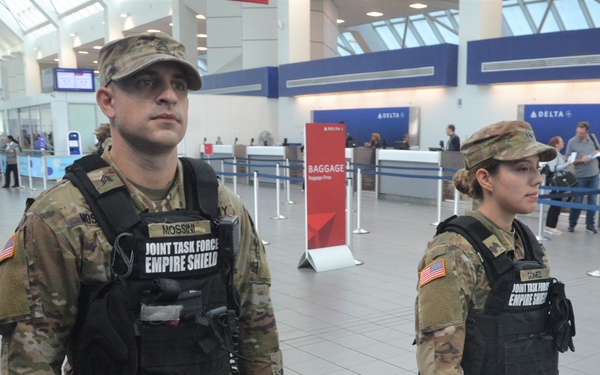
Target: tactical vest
x=513, y=334
x=170, y=308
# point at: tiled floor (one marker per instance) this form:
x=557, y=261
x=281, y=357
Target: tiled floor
x=359, y=320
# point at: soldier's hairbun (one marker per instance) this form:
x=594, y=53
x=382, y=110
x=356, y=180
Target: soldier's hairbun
x=462, y=183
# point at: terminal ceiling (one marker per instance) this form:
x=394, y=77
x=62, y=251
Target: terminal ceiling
x=400, y=26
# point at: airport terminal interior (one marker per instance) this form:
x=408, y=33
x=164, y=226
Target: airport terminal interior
x=270, y=67
x=360, y=320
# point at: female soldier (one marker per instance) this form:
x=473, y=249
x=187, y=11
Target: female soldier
x=457, y=331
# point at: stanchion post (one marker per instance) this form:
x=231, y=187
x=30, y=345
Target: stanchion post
x=348, y=206
x=278, y=201
x=540, y=236
x=45, y=171
x=234, y=171
x=29, y=171
x=256, y=220
x=440, y=196
x=287, y=182
x=358, y=229
x=223, y=169
x=456, y=201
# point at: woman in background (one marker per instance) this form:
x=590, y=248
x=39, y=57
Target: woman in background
x=555, y=166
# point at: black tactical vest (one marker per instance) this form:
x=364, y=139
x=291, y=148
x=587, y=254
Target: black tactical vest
x=166, y=311
x=513, y=335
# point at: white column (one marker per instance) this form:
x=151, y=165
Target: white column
x=294, y=31
x=33, y=83
x=224, y=30
x=66, y=54
x=478, y=20
x=185, y=28
x=323, y=29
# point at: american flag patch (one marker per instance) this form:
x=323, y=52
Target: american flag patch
x=9, y=249
x=433, y=271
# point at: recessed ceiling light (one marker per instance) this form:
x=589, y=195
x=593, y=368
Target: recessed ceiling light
x=95, y=61
x=56, y=60
x=83, y=52
x=418, y=6
x=171, y=24
x=201, y=48
x=96, y=72
x=375, y=14
x=97, y=47
x=339, y=20
x=124, y=15
x=200, y=16
x=72, y=34
x=202, y=36
x=153, y=31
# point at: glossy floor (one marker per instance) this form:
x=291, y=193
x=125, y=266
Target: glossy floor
x=359, y=320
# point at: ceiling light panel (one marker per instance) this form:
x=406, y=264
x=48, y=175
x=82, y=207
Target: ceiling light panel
x=374, y=14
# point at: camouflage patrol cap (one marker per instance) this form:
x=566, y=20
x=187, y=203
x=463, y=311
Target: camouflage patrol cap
x=123, y=57
x=506, y=140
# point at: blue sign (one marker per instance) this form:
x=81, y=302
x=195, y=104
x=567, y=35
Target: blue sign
x=390, y=123
x=561, y=120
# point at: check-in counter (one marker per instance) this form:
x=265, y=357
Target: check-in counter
x=219, y=152
x=268, y=155
x=362, y=155
x=409, y=189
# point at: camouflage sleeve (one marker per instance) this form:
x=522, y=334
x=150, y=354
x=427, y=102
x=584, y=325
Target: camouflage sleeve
x=446, y=282
x=259, y=341
x=41, y=282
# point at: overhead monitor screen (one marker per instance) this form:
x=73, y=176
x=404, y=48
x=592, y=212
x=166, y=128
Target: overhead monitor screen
x=74, y=79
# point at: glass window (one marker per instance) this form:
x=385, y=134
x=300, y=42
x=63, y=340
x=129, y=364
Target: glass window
x=25, y=135
x=537, y=11
x=449, y=36
x=594, y=8
x=426, y=33
x=388, y=38
x=13, y=123
x=46, y=126
x=352, y=43
x=571, y=16
x=410, y=41
x=516, y=21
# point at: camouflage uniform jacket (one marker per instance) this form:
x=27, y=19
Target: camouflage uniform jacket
x=58, y=247
x=443, y=303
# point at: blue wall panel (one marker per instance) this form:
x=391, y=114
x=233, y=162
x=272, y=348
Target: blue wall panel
x=549, y=120
x=250, y=82
x=390, y=123
x=539, y=46
x=443, y=58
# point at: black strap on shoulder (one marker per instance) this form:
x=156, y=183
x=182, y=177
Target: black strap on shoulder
x=475, y=232
x=112, y=210
x=201, y=187
x=533, y=250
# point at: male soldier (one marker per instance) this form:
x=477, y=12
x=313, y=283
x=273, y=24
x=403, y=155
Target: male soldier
x=59, y=252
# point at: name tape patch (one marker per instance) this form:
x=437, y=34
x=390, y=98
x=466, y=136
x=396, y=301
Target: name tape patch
x=192, y=228
x=434, y=270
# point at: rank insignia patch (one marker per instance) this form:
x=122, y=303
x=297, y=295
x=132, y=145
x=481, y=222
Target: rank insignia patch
x=433, y=271
x=9, y=248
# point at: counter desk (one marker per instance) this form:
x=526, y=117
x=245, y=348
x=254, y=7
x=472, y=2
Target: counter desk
x=409, y=189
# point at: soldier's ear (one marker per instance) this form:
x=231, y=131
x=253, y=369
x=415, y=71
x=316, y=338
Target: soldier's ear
x=485, y=180
x=105, y=100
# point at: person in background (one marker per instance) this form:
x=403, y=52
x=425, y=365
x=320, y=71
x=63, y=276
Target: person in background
x=453, y=143
x=555, y=167
x=585, y=145
x=39, y=144
x=463, y=318
x=375, y=141
x=102, y=134
x=12, y=161
x=164, y=296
